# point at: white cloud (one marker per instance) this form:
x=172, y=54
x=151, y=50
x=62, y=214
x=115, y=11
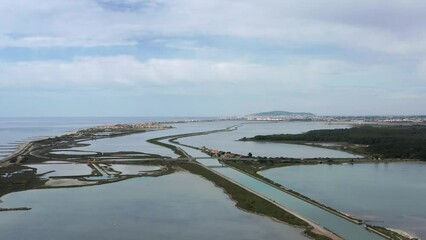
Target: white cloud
x=395, y=26
x=125, y=70
x=180, y=44
x=357, y=50
x=48, y=42
x=421, y=70
x=129, y=71
x=316, y=85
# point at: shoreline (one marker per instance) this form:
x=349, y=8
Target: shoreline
x=385, y=232
x=403, y=233
x=316, y=228
x=27, y=147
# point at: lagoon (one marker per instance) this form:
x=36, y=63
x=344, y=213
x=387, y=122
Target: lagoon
x=388, y=194
x=177, y=206
x=137, y=142
x=228, y=141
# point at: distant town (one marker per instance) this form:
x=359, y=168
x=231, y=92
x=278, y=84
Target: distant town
x=295, y=116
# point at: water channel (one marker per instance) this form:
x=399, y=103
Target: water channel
x=227, y=140
x=387, y=194
x=336, y=224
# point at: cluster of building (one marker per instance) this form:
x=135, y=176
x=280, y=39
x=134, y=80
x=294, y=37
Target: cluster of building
x=219, y=154
x=376, y=119
x=290, y=117
x=149, y=125
x=339, y=119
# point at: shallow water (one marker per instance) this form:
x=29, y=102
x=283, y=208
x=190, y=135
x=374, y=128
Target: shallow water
x=133, y=169
x=227, y=141
x=177, y=206
x=134, y=142
x=137, y=142
x=394, y=193
x=62, y=169
x=14, y=131
x=338, y=225
x=73, y=153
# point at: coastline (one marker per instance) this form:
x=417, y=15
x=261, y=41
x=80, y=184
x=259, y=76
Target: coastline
x=27, y=147
x=316, y=228
x=403, y=233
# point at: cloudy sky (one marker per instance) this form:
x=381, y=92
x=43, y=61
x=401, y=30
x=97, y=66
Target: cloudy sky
x=211, y=57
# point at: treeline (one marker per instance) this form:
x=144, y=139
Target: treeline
x=385, y=141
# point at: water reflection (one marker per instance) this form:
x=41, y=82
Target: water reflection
x=227, y=141
x=389, y=194
x=177, y=206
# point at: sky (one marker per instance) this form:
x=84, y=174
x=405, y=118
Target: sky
x=212, y=57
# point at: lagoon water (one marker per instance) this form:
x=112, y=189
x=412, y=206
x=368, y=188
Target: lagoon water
x=117, y=209
x=137, y=142
x=177, y=206
x=227, y=141
x=50, y=169
x=133, y=169
x=14, y=131
x=389, y=194
x=342, y=227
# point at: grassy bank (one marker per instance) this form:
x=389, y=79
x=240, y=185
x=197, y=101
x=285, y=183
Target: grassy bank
x=176, y=150
x=387, y=233
x=252, y=168
x=249, y=201
x=15, y=178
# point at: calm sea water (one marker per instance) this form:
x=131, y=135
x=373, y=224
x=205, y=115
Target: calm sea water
x=14, y=131
x=389, y=194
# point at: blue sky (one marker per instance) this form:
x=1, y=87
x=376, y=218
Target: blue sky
x=211, y=58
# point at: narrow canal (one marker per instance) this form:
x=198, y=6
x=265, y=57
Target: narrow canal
x=334, y=223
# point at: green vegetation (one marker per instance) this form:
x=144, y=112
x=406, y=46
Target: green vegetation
x=40, y=150
x=390, y=234
x=382, y=141
x=175, y=149
x=173, y=139
x=107, y=156
x=316, y=236
x=253, y=167
x=16, y=178
x=249, y=201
